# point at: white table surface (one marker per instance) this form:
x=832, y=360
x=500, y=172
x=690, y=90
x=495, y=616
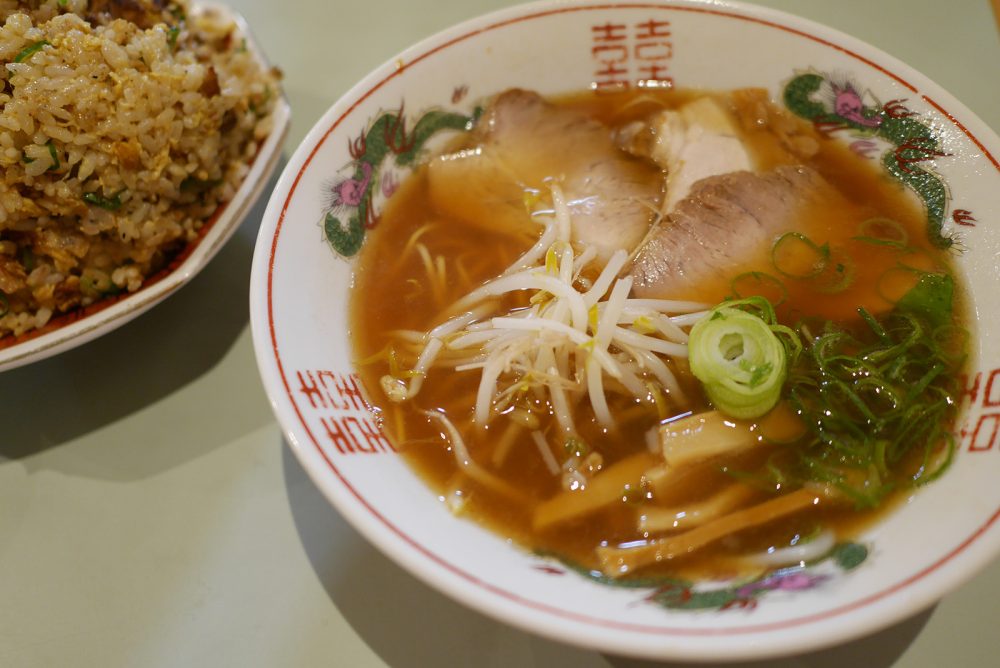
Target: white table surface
x=151, y=514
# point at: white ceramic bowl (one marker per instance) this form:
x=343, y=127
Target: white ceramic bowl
x=299, y=300
x=76, y=328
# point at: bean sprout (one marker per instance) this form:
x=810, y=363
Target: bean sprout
x=573, y=338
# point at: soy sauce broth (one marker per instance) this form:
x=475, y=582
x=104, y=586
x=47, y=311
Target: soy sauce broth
x=392, y=292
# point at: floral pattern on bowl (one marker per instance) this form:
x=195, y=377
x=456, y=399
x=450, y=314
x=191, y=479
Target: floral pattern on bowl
x=381, y=155
x=680, y=594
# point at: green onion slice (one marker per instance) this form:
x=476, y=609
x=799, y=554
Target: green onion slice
x=883, y=232
x=31, y=49
x=111, y=204
x=758, y=283
x=953, y=342
x=794, y=255
x=918, y=259
x=740, y=361
x=54, y=154
x=873, y=397
x=27, y=259
x=837, y=274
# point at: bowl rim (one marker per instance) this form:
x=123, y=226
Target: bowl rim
x=948, y=572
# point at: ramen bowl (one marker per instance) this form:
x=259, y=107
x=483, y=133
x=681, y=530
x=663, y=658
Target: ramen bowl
x=327, y=203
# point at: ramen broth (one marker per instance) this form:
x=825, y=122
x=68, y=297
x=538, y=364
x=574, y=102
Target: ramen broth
x=419, y=262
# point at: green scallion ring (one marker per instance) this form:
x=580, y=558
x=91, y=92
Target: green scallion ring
x=789, y=247
x=883, y=232
x=758, y=283
x=740, y=361
x=837, y=275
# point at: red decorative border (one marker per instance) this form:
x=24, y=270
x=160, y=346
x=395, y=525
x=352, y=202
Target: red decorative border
x=605, y=623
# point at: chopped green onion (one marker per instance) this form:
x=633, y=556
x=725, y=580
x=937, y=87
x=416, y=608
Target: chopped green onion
x=756, y=283
x=918, y=259
x=794, y=255
x=871, y=396
x=172, y=35
x=31, y=49
x=94, y=282
x=837, y=274
x=54, y=154
x=740, y=361
x=883, y=232
x=953, y=341
x=111, y=204
x=27, y=259
x=926, y=474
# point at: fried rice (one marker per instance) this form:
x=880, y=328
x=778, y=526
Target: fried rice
x=124, y=124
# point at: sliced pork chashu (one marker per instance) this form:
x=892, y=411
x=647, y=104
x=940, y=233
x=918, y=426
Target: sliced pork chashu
x=693, y=142
x=520, y=142
x=727, y=222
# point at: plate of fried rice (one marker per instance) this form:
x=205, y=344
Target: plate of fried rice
x=134, y=137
